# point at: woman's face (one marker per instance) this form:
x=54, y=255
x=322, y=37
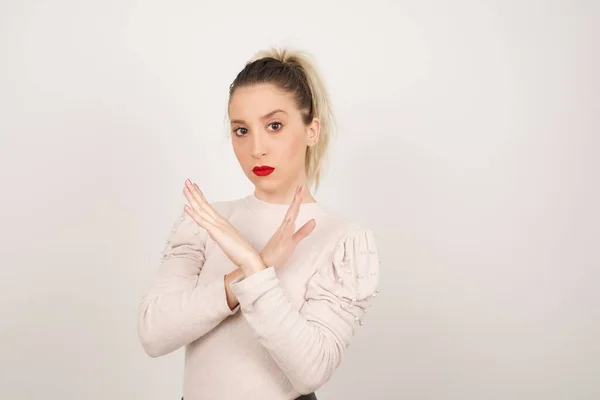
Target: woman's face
x=269, y=138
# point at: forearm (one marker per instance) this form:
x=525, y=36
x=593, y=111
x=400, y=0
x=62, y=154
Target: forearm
x=306, y=349
x=251, y=266
x=170, y=318
x=232, y=300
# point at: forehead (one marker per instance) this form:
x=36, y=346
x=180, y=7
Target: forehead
x=259, y=99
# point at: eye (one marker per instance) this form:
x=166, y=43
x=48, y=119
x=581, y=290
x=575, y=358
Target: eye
x=240, y=131
x=275, y=126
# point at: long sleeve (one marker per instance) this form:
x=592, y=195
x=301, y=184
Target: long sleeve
x=176, y=310
x=308, y=345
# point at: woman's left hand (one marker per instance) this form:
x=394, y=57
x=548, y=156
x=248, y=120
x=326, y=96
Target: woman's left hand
x=284, y=241
x=239, y=251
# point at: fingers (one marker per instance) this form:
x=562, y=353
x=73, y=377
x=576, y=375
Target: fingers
x=207, y=207
x=196, y=216
x=197, y=201
x=195, y=204
x=294, y=208
x=304, y=231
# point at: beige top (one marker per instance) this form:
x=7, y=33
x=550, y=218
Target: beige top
x=293, y=324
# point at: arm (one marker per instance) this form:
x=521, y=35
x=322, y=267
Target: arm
x=231, y=277
x=308, y=345
x=176, y=310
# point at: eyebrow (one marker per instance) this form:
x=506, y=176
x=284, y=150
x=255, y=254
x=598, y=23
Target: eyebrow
x=239, y=121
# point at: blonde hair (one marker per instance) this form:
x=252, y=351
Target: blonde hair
x=295, y=72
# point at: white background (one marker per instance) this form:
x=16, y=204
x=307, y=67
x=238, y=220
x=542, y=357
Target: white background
x=468, y=142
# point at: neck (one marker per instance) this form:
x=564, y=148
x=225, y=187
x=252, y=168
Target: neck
x=284, y=196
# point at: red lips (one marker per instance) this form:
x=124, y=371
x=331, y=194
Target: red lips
x=263, y=170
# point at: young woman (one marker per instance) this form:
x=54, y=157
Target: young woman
x=265, y=311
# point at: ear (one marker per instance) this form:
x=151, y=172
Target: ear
x=313, y=131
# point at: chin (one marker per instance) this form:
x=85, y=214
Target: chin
x=265, y=184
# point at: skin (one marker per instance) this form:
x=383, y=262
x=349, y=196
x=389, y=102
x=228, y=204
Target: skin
x=261, y=135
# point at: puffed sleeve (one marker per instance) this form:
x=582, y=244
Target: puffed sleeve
x=308, y=345
x=176, y=310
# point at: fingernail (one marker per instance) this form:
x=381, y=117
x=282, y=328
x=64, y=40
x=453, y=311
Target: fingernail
x=298, y=189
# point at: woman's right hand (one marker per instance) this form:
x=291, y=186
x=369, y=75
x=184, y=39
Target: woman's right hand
x=284, y=241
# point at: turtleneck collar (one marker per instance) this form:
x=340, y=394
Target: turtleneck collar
x=258, y=204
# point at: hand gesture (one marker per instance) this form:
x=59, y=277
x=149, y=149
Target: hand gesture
x=239, y=251
x=283, y=243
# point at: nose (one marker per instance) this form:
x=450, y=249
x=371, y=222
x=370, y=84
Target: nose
x=258, y=149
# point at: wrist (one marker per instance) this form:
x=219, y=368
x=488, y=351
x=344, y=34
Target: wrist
x=253, y=265
x=232, y=301
x=265, y=259
x=233, y=276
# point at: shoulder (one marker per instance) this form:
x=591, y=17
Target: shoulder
x=340, y=229
x=353, y=263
